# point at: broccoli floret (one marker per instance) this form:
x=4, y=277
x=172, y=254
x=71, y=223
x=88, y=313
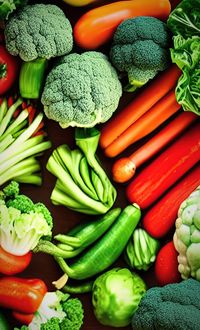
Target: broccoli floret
x=141, y=49
x=41, y=208
x=22, y=203
x=58, y=311
x=173, y=306
x=12, y=189
x=39, y=30
x=81, y=90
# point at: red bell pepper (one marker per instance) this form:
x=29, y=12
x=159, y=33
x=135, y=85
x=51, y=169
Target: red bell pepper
x=11, y=265
x=9, y=69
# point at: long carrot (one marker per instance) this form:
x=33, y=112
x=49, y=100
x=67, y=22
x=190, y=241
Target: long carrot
x=158, y=114
x=164, y=171
x=124, y=168
x=98, y=25
x=151, y=94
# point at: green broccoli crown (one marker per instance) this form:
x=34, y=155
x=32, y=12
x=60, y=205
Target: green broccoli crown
x=74, y=314
x=173, y=306
x=39, y=30
x=82, y=90
x=22, y=203
x=52, y=324
x=141, y=48
x=12, y=189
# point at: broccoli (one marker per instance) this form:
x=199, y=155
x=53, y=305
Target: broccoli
x=58, y=311
x=173, y=306
x=140, y=49
x=37, y=33
x=81, y=90
x=7, y=7
x=22, y=223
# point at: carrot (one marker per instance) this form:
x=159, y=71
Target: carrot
x=146, y=124
x=166, y=265
x=147, y=98
x=161, y=217
x=124, y=168
x=97, y=26
x=175, y=161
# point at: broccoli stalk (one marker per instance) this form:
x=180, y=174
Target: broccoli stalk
x=21, y=140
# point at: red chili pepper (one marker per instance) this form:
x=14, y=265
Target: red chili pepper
x=20, y=294
x=11, y=264
x=9, y=68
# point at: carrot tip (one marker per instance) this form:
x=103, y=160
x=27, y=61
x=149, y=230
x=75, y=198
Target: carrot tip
x=123, y=170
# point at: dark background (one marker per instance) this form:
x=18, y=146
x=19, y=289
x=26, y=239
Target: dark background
x=43, y=266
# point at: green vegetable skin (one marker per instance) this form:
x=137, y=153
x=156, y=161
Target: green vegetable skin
x=140, y=49
x=184, y=22
x=173, y=306
x=79, y=237
x=48, y=34
x=107, y=249
x=81, y=90
x=116, y=295
x=82, y=185
x=3, y=322
x=187, y=236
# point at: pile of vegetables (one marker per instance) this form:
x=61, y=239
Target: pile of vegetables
x=133, y=249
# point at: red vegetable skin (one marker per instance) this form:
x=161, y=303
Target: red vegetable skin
x=97, y=26
x=166, y=265
x=23, y=318
x=9, y=68
x=11, y=265
x=161, y=217
x=153, y=181
x=22, y=295
x=124, y=168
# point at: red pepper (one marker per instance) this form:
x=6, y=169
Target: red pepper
x=22, y=295
x=23, y=318
x=9, y=68
x=11, y=265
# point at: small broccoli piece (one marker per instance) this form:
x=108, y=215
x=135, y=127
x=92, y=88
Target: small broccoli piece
x=12, y=189
x=173, y=306
x=22, y=203
x=81, y=90
x=141, y=49
x=41, y=208
x=39, y=30
x=58, y=312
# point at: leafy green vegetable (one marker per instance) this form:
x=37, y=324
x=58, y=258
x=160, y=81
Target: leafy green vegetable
x=82, y=184
x=184, y=22
x=9, y=6
x=187, y=236
x=116, y=295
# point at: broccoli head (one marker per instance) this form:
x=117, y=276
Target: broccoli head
x=140, y=48
x=173, y=306
x=12, y=189
x=38, y=31
x=81, y=90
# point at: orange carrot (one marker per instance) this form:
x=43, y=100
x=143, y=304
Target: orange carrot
x=152, y=119
x=148, y=97
x=124, y=168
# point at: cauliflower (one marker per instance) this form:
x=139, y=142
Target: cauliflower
x=187, y=236
x=140, y=49
x=81, y=90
